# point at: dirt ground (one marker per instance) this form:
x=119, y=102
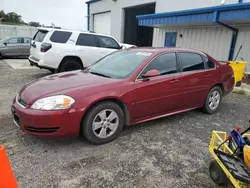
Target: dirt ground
x=169, y=152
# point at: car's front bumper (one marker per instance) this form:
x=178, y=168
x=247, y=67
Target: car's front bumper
x=60, y=123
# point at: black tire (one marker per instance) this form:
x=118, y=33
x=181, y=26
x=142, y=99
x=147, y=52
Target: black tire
x=206, y=108
x=70, y=65
x=86, y=126
x=238, y=84
x=217, y=174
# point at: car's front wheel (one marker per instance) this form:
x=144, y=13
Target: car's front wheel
x=213, y=100
x=103, y=123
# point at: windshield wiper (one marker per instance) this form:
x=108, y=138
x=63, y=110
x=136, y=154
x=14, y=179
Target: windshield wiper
x=99, y=74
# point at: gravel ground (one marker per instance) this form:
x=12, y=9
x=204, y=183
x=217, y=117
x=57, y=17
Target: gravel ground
x=169, y=152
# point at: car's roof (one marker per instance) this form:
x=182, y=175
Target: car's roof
x=162, y=49
x=70, y=30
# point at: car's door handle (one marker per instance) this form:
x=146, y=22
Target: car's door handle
x=174, y=81
x=81, y=50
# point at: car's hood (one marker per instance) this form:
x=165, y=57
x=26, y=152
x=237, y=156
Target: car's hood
x=60, y=83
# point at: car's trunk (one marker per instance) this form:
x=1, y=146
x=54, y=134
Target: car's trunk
x=36, y=44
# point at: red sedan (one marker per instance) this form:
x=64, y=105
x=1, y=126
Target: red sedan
x=124, y=88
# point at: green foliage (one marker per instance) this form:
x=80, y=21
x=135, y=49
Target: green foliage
x=11, y=18
x=35, y=24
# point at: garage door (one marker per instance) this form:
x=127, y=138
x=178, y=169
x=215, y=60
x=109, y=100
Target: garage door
x=102, y=23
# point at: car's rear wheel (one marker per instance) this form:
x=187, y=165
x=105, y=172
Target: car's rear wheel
x=70, y=65
x=213, y=100
x=103, y=123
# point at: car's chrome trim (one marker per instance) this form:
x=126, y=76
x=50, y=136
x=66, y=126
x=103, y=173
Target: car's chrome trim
x=19, y=102
x=16, y=124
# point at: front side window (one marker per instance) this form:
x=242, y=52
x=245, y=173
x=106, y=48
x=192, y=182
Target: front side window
x=120, y=64
x=191, y=62
x=60, y=36
x=86, y=40
x=165, y=64
x=107, y=42
x=14, y=41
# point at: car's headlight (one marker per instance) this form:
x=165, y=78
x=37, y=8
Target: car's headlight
x=58, y=102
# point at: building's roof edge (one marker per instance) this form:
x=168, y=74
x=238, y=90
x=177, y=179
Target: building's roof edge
x=238, y=6
x=91, y=1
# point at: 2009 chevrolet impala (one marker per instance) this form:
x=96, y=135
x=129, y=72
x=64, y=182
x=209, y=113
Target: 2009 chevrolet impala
x=123, y=88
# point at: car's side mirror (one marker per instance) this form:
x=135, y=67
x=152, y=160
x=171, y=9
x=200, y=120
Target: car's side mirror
x=122, y=47
x=151, y=73
x=5, y=43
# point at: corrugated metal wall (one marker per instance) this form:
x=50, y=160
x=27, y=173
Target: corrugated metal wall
x=12, y=30
x=213, y=40
x=244, y=40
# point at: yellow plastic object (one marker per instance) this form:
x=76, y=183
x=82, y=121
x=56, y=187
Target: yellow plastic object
x=217, y=138
x=239, y=69
x=246, y=152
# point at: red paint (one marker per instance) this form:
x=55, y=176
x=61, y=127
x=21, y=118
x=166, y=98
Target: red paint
x=146, y=99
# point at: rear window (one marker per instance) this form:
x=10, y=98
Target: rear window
x=40, y=35
x=60, y=36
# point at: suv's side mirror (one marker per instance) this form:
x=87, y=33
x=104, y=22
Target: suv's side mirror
x=151, y=73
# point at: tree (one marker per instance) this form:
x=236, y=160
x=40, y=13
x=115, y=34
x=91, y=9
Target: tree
x=12, y=17
x=34, y=24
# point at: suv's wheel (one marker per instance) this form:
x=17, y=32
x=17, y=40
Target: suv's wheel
x=70, y=65
x=103, y=123
x=213, y=100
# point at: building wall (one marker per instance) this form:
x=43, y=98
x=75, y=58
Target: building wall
x=213, y=40
x=117, y=13
x=244, y=40
x=13, y=30
x=212, y=36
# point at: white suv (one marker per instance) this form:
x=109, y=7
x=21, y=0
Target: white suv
x=64, y=50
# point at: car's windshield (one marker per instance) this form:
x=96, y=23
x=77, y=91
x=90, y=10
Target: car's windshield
x=119, y=64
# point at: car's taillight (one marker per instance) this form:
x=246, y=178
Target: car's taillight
x=45, y=47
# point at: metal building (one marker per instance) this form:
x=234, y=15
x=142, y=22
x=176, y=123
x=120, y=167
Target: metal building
x=218, y=27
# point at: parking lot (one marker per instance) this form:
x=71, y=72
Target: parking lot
x=169, y=152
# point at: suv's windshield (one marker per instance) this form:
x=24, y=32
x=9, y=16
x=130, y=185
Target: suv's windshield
x=119, y=64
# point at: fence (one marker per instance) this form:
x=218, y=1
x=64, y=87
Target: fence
x=14, y=30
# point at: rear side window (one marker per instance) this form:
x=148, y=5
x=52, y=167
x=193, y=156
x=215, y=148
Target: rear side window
x=86, y=40
x=60, y=36
x=191, y=62
x=107, y=42
x=40, y=35
x=210, y=64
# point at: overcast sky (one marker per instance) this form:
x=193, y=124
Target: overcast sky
x=69, y=14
